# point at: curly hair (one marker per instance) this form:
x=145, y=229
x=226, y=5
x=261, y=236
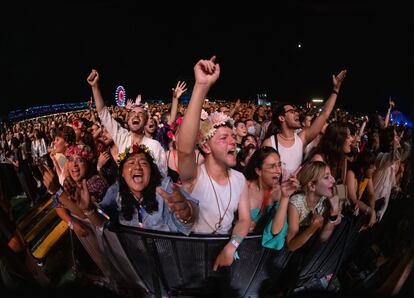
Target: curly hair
x=149, y=202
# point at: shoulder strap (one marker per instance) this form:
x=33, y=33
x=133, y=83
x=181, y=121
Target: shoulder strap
x=274, y=142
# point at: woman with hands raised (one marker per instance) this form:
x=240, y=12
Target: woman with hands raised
x=137, y=200
x=315, y=208
x=268, y=197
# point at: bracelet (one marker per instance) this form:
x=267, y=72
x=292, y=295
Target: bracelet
x=334, y=91
x=235, y=243
x=188, y=220
x=70, y=224
x=55, y=198
x=235, y=236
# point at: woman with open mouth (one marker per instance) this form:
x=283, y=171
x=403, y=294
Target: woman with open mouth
x=268, y=197
x=137, y=200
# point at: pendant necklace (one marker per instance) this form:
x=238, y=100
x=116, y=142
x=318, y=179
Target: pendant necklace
x=218, y=226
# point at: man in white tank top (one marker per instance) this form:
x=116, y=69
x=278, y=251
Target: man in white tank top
x=220, y=190
x=291, y=144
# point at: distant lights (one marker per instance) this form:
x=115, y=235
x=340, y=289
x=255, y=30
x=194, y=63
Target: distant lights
x=120, y=96
x=317, y=100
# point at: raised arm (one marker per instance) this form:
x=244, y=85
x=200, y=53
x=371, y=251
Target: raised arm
x=288, y=187
x=119, y=134
x=93, y=81
x=179, y=90
x=206, y=74
x=307, y=135
x=90, y=105
x=387, y=117
x=235, y=108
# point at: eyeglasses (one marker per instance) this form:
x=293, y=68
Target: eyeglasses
x=273, y=166
x=293, y=110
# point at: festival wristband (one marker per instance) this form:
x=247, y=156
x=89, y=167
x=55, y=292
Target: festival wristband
x=238, y=237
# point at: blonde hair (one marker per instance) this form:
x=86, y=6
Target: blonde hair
x=311, y=171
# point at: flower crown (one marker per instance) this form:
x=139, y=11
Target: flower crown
x=134, y=149
x=81, y=150
x=208, y=127
x=170, y=133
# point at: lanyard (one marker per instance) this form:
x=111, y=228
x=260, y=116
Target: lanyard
x=140, y=216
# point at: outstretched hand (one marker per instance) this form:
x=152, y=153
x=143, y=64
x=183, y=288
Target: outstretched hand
x=176, y=202
x=129, y=104
x=207, y=71
x=93, y=78
x=338, y=79
x=391, y=103
x=179, y=89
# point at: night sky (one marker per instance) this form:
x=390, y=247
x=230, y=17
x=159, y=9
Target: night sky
x=48, y=51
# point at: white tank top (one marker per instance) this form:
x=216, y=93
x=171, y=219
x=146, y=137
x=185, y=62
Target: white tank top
x=208, y=209
x=291, y=157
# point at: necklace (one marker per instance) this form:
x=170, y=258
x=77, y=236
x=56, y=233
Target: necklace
x=285, y=138
x=218, y=226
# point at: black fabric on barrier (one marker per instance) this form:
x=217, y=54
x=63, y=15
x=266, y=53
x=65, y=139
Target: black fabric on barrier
x=174, y=264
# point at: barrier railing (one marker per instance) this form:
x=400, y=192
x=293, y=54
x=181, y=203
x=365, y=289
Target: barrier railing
x=174, y=264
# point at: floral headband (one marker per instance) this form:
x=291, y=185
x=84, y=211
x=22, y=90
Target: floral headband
x=208, y=127
x=83, y=151
x=177, y=122
x=134, y=149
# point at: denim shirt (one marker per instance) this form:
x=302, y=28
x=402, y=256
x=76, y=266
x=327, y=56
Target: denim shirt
x=161, y=220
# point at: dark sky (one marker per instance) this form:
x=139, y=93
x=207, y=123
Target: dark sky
x=48, y=51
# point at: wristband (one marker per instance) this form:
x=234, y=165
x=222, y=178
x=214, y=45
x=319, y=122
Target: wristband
x=235, y=236
x=334, y=91
x=55, y=198
x=235, y=243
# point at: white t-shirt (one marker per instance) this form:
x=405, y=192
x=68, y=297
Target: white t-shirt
x=291, y=157
x=123, y=139
x=209, y=213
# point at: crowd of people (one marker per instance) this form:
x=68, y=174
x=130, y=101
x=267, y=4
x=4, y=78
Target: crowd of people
x=291, y=174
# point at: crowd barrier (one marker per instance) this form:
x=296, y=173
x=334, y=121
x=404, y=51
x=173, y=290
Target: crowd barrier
x=170, y=264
